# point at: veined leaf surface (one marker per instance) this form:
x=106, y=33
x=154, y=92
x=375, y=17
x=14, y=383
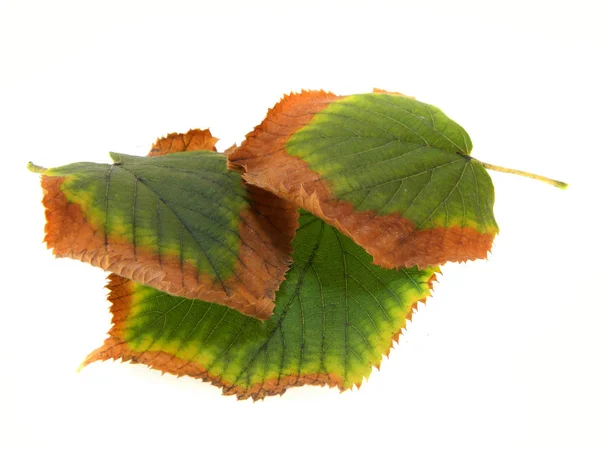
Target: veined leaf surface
x=389, y=171
x=336, y=314
x=180, y=222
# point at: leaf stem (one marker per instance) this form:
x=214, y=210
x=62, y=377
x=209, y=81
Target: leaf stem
x=35, y=169
x=556, y=183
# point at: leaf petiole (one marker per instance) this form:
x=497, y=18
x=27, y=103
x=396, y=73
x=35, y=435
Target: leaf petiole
x=556, y=183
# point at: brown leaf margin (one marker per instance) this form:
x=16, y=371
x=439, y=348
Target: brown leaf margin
x=115, y=347
x=193, y=140
x=391, y=239
x=266, y=231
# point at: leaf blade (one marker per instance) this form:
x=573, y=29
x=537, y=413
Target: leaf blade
x=336, y=315
x=180, y=222
x=391, y=172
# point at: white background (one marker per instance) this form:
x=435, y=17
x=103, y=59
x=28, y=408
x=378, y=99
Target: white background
x=507, y=352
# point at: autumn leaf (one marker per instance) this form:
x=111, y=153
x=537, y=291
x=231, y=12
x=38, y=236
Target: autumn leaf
x=193, y=140
x=180, y=222
x=336, y=315
x=393, y=173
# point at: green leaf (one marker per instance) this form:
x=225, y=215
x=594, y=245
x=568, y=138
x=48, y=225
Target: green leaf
x=181, y=222
x=336, y=315
x=389, y=171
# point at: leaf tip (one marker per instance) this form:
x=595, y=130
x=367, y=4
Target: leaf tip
x=116, y=157
x=35, y=168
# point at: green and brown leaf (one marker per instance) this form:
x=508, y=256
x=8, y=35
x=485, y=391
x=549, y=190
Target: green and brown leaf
x=180, y=222
x=336, y=315
x=389, y=171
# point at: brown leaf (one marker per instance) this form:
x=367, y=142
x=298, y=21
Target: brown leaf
x=179, y=142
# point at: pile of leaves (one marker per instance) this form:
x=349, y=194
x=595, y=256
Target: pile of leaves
x=295, y=258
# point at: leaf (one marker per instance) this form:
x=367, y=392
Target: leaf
x=391, y=172
x=335, y=315
x=180, y=222
x=178, y=142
